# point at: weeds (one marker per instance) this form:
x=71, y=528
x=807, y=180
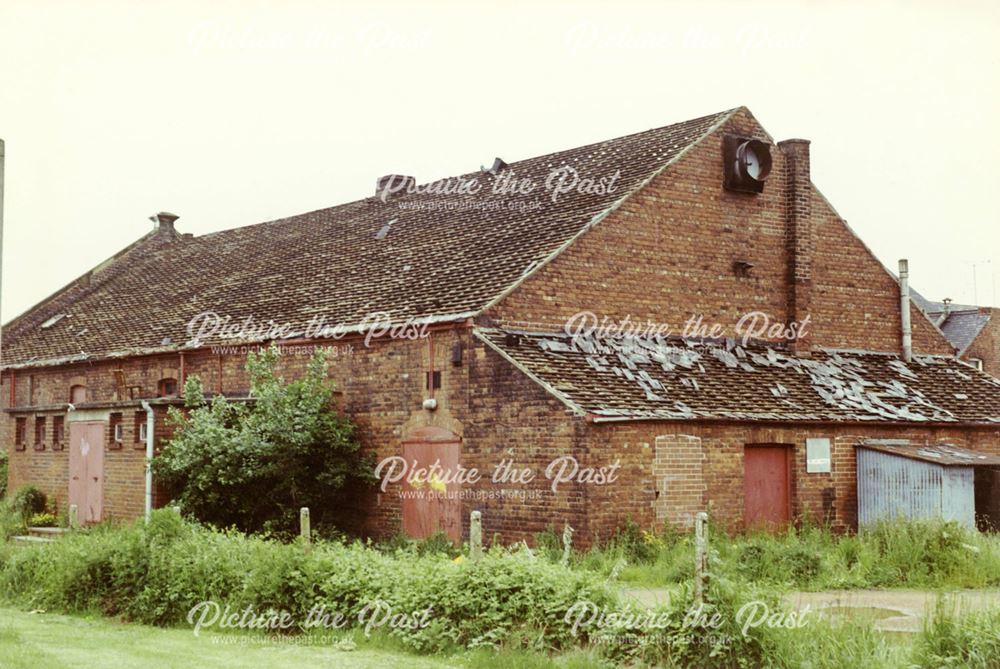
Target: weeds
x=922, y=554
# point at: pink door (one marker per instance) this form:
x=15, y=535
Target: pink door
x=86, y=469
x=435, y=505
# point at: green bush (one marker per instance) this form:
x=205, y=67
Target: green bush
x=157, y=574
x=4, y=461
x=29, y=501
x=288, y=442
x=44, y=519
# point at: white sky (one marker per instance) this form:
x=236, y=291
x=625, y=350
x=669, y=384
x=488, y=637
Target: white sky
x=232, y=113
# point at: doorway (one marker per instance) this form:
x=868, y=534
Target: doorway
x=86, y=470
x=767, y=489
x=434, y=506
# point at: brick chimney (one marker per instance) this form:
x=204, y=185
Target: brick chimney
x=801, y=234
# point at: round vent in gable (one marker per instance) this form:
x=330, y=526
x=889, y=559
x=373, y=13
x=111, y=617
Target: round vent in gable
x=746, y=164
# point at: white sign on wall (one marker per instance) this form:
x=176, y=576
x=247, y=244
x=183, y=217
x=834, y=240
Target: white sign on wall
x=818, y=455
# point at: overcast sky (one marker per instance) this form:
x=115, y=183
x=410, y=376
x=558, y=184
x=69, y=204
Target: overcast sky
x=233, y=113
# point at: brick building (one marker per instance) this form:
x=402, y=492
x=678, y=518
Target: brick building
x=973, y=331
x=696, y=224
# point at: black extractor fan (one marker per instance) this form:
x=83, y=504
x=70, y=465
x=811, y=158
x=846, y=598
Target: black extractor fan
x=746, y=163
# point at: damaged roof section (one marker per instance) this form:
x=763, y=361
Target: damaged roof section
x=673, y=378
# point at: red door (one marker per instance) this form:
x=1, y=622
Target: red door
x=432, y=504
x=86, y=469
x=767, y=486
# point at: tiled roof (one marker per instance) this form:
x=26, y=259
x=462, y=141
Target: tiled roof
x=643, y=378
x=407, y=257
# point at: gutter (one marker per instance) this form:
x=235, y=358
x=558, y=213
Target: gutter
x=792, y=422
x=149, y=459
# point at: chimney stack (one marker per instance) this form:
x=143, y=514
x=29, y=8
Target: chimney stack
x=164, y=221
x=800, y=234
x=904, y=309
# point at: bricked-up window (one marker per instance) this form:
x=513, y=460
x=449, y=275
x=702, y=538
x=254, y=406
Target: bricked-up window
x=39, y=433
x=115, y=430
x=20, y=427
x=167, y=388
x=77, y=394
x=58, y=432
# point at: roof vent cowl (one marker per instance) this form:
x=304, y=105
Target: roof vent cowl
x=164, y=221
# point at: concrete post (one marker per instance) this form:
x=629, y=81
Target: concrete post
x=567, y=545
x=475, y=536
x=700, y=556
x=304, y=529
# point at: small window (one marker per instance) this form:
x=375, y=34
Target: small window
x=39, y=433
x=77, y=394
x=167, y=388
x=139, y=429
x=977, y=363
x=433, y=380
x=116, y=428
x=21, y=426
x=58, y=432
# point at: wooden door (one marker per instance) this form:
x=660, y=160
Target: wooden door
x=434, y=506
x=86, y=469
x=767, y=486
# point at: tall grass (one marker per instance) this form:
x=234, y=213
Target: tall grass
x=919, y=554
x=971, y=641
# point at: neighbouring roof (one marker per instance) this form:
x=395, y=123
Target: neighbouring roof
x=962, y=324
x=962, y=327
x=410, y=258
x=656, y=378
x=945, y=455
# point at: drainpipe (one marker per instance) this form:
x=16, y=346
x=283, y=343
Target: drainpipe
x=149, y=459
x=904, y=306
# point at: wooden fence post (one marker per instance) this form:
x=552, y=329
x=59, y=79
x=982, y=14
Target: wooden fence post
x=304, y=529
x=476, y=536
x=700, y=556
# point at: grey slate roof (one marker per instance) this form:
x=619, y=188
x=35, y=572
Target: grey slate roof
x=643, y=378
x=406, y=257
x=962, y=327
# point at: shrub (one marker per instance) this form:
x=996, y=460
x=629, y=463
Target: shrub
x=4, y=460
x=29, y=501
x=288, y=442
x=158, y=573
x=681, y=637
x=44, y=519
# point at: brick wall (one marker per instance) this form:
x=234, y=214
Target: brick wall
x=668, y=254
x=498, y=412
x=708, y=457
x=986, y=346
